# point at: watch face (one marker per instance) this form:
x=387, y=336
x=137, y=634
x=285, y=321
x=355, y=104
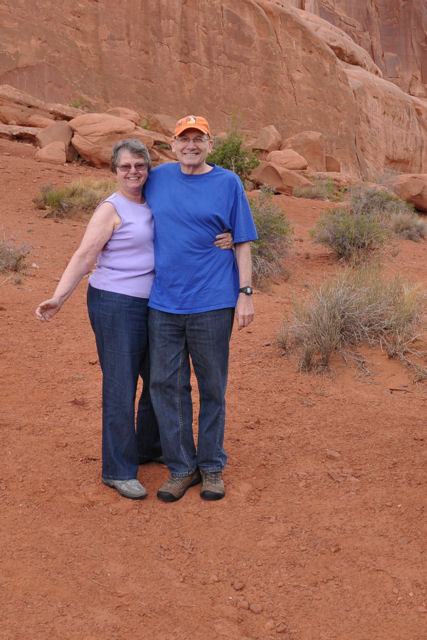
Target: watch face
x=247, y=290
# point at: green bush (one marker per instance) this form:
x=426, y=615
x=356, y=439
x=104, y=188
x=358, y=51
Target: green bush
x=355, y=307
x=230, y=154
x=81, y=197
x=321, y=190
x=349, y=234
x=275, y=236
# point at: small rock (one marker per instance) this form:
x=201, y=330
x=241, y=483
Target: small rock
x=238, y=586
x=330, y=453
x=243, y=604
x=334, y=476
x=281, y=627
x=255, y=608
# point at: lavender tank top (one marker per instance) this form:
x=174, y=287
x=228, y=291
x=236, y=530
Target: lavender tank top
x=126, y=263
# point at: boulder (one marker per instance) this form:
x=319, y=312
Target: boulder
x=11, y=96
x=23, y=116
x=281, y=179
x=53, y=152
x=96, y=133
x=287, y=158
x=163, y=123
x=123, y=112
x=311, y=145
x=14, y=132
x=58, y=131
x=413, y=189
x=269, y=139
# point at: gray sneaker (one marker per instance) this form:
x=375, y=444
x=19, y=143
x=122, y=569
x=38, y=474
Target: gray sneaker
x=132, y=489
x=213, y=486
x=175, y=488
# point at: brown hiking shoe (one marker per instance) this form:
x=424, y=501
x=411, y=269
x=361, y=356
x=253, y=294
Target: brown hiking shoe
x=213, y=486
x=175, y=488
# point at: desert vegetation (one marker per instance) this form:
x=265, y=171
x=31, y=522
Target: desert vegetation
x=79, y=198
x=357, y=306
x=12, y=257
x=321, y=190
x=231, y=154
x=372, y=217
x=275, y=235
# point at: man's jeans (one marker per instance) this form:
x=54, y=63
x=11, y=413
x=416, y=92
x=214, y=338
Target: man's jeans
x=172, y=339
x=119, y=323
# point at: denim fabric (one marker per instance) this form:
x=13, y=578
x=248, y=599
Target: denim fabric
x=119, y=323
x=173, y=340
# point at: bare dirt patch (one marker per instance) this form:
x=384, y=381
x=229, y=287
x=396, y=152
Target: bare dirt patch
x=322, y=532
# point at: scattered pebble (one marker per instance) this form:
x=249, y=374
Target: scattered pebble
x=255, y=608
x=330, y=453
x=238, y=586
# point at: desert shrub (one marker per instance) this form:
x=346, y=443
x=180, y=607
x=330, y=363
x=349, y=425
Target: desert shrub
x=355, y=307
x=230, y=154
x=274, y=237
x=321, y=190
x=377, y=202
x=12, y=258
x=408, y=225
x=397, y=214
x=79, y=103
x=80, y=197
x=350, y=234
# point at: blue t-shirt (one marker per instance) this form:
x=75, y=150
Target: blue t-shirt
x=192, y=275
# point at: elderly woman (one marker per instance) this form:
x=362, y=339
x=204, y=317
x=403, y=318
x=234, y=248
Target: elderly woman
x=119, y=238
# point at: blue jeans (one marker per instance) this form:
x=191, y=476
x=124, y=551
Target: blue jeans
x=119, y=323
x=174, y=338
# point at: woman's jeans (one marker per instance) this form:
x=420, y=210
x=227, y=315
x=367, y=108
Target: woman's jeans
x=119, y=323
x=173, y=340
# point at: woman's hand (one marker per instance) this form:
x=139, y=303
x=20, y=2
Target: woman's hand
x=47, y=309
x=224, y=240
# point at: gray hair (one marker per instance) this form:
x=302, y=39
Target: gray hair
x=134, y=146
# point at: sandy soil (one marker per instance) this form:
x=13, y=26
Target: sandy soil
x=322, y=532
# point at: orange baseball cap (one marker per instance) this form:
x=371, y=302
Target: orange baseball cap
x=192, y=122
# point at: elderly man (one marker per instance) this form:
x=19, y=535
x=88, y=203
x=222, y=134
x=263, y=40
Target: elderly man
x=197, y=291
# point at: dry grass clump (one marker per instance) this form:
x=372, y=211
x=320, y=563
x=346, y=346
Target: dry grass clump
x=12, y=258
x=396, y=214
x=81, y=197
x=275, y=236
x=409, y=225
x=350, y=234
x=321, y=190
x=356, y=307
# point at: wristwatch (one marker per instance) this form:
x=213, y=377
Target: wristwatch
x=247, y=290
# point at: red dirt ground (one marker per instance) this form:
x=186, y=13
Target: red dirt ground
x=307, y=545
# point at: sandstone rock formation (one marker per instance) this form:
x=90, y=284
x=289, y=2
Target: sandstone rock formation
x=277, y=176
x=273, y=62
x=391, y=31
x=287, y=158
x=96, y=133
x=413, y=189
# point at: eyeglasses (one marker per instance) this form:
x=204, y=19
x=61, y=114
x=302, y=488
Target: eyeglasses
x=139, y=167
x=198, y=140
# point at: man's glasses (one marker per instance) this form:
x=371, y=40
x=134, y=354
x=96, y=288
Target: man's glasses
x=197, y=140
x=139, y=166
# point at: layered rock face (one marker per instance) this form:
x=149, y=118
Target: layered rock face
x=393, y=32
x=267, y=62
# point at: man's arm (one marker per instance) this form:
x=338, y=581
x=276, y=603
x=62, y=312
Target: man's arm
x=244, y=306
